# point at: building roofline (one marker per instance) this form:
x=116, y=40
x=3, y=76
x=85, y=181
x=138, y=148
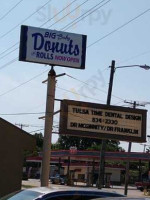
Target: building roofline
x=10, y=124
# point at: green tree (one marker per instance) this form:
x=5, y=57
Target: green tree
x=113, y=145
x=39, y=141
x=65, y=142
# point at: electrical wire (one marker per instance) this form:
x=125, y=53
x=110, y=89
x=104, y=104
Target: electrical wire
x=8, y=53
x=120, y=27
x=23, y=83
x=63, y=18
x=79, y=94
x=7, y=13
x=68, y=14
x=62, y=88
x=116, y=104
x=40, y=26
x=51, y=19
x=35, y=125
x=74, y=22
x=90, y=44
x=58, y=13
x=37, y=113
x=115, y=30
x=24, y=20
x=9, y=48
x=133, y=57
x=9, y=63
x=93, y=86
x=37, y=130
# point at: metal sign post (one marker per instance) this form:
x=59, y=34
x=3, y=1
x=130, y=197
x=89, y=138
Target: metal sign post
x=48, y=127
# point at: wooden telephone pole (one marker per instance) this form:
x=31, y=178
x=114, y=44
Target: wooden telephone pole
x=134, y=104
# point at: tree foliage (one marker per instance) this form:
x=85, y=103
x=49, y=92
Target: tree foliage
x=65, y=142
x=39, y=141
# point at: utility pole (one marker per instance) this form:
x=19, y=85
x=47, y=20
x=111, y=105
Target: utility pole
x=103, y=147
x=129, y=150
x=48, y=127
x=102, y=153
x=22, y=125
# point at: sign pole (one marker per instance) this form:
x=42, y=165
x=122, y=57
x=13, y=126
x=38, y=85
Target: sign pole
x=48, y=128
x=103, y=147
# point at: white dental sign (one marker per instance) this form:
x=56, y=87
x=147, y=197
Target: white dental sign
x=102, y=121
x=52, y=47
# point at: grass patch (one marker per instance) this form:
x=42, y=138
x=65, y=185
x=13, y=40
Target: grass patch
x=27, y=186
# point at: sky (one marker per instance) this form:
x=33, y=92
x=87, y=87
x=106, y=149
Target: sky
x=118, y=30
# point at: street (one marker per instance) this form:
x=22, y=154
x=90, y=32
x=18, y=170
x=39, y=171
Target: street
x=132, y=191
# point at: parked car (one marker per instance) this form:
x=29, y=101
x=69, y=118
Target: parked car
x=143, y=185
x=43, y=193
x=58, y=179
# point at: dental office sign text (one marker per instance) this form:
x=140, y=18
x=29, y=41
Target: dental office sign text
x=52, y=47
x=102, y=121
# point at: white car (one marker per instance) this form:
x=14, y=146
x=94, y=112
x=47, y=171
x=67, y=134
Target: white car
x=43, y=193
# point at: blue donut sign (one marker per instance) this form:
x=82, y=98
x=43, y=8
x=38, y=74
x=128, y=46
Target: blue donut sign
x=52, y=47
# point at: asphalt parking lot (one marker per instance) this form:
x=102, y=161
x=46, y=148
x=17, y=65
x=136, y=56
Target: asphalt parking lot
x=132, y=191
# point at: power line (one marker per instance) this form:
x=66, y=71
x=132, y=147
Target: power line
x=116, y=104
x=93, y=86
x=28, y=125
x=9, y=48
x=135, y=56
x=8, y=53
x=88, y=46
x=115, y=30
x=23, y=83
x=9, y=63
x=36, y=125
x=51, y=19
x=68, y=13
x=22, y=113
x=58, y=13
x=7, y=13
x=24, y=20
x=60, y=88
x=40, y=26
x=43, y=130
x=49, y=26
x=79, y=94
x=120, y=27
x=82, y=16
x=57, y=87
x=37, y=130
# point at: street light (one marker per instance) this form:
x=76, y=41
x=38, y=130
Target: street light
x=103, y=147
x=146, y=67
